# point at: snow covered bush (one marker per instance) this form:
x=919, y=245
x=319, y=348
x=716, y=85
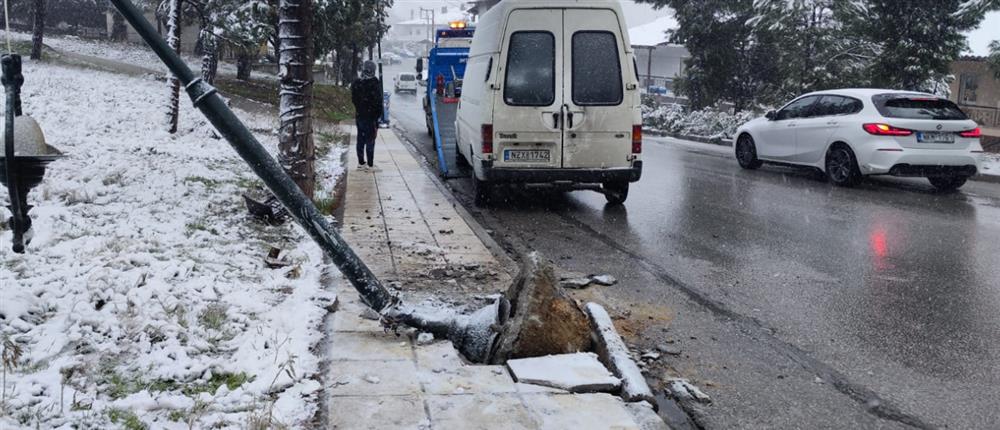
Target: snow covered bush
x=673, y=118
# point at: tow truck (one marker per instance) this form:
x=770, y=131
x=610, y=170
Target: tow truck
x=445, y=69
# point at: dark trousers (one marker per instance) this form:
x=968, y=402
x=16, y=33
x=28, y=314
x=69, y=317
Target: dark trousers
x=367, y=128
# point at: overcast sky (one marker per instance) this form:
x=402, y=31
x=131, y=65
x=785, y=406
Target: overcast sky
x=638, y=14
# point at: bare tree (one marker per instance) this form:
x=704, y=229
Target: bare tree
x=38, y=30
x=174, y=40
x=296, y=149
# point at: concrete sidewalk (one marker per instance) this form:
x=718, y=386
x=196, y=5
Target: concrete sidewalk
x=404, y=226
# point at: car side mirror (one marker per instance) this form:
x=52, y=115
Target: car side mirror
x=420, y=65
x=771, y=115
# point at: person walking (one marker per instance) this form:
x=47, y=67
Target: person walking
x=366, y=94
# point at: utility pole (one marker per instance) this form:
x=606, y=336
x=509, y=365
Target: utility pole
x=429, y=15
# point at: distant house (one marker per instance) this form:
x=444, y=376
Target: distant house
x=659, y=62
x=189, y=32
x=976, y=90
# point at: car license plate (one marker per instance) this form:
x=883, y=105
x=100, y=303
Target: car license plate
x=526, y=155
x=935, y=137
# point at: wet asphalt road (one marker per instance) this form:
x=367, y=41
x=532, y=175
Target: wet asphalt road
x=794, y=304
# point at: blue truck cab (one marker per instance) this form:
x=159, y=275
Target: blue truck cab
x=446, y=63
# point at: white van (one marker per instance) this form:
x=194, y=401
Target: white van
x=405, y=82
x=550, y=95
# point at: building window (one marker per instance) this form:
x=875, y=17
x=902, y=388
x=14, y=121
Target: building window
x=967, y=92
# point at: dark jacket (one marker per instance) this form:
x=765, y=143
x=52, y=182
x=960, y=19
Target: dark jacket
x=366, y=93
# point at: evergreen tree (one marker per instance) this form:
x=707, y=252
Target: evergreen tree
x=915, y=41
x=731, y=60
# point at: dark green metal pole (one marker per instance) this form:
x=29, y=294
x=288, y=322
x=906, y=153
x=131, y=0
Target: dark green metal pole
x=267, y=168
x=12, y=80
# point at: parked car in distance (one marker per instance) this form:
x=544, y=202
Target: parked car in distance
x=550, y=96
x=852, y=133
x=405, y=82
x=391, y=58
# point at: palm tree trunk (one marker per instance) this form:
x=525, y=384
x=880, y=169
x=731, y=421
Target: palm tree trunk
x=174, y=40
x=296, y=151
x=38, y=30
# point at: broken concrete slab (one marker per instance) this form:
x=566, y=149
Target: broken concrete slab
x=577, y=373
x=613, y=352
x=645, y=416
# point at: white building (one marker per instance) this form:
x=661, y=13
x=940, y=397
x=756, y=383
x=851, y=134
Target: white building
x=659, y=62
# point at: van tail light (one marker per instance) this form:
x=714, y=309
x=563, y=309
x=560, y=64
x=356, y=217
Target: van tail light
x=487, y=133
x=637, y=139
x=886, y=130
x=976, y=132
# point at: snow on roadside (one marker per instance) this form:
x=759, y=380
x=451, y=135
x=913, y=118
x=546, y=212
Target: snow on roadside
x=991, y=164
x=143, y=299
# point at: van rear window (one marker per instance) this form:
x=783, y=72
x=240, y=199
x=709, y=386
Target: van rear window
x=597, y=70
x=531, y=64
x=917, y=107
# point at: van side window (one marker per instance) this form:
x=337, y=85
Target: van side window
x=531, y=64
x=489, y=70
x=597, y=70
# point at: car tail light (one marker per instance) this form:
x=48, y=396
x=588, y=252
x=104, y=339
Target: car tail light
x=487, y=133
x=886, y=130
x=976, y=132
x=637, y=139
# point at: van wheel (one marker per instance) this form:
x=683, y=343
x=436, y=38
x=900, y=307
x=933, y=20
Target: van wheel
x=460, y=159
x=947, y=183
x=842, y=167
x=615, y=192
x=482, y=190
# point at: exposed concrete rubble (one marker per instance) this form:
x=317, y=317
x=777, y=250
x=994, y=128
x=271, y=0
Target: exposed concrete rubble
x=615, y=355
x=579, y=281
x=576, y=373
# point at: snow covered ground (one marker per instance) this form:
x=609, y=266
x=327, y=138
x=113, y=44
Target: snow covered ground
x=991, y=164
x=143, y=298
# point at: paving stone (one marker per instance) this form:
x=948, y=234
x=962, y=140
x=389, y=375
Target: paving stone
x=579, y=412
x=351, y=321
x=369, y=346
x=378, y=413
x=580, y=372
x=373, y=378
x=480, y=412
x=438, y=355
x=467, y=380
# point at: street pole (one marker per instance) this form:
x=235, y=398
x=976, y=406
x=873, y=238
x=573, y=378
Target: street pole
x=474, y=336
x=302, y=209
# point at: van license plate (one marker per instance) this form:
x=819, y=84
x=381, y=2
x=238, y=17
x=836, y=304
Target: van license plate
x=935, y=137
x=526, y=156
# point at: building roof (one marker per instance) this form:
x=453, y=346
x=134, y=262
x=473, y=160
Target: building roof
x=654, y=33
x=440, y=19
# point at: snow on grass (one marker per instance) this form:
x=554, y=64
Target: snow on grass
x=143, y=300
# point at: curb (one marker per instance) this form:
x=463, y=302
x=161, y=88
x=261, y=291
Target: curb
x=613, y=352
x=699, y=139
x=992, y=179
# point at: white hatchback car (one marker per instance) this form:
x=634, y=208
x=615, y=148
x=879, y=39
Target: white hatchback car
x=852, y=133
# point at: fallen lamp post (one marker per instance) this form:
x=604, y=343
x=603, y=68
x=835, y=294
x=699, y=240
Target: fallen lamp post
x=474, y=337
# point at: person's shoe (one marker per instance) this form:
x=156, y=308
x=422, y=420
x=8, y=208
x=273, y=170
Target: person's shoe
x=373, y=169
x=363, y=167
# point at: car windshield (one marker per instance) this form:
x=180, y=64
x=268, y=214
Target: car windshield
x=917, y=107
x=406, y=78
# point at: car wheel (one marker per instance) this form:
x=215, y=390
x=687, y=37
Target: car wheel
x=482, y=190
x=746, y=153
x=615, y=192
x=842, y=166
x=947, y=183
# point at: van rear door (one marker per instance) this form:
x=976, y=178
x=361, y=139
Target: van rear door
x=526, y=122
x=599, y=111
